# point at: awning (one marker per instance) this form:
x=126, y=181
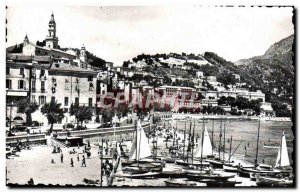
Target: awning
x=19, y=93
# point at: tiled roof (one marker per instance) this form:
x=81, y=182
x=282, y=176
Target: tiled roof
x=70, y=68
x=18, y=57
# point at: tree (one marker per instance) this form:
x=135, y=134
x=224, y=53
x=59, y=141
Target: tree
x=53, y=113
x=27, y=107
x=81, y=113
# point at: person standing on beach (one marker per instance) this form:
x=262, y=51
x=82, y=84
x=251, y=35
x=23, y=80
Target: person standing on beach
x=62, y=158
x=72, y=163
x=77, y=156
x=83, y=161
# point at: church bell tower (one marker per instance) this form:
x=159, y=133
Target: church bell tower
x=51, y=39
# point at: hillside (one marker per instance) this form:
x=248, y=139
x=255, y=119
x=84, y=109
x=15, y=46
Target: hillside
x=272, y=72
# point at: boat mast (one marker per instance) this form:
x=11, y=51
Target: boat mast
x=224, y=142
x=212, y=137
x=230, y=148
x=189, y=145
x=140, y=142
x=280, y=157
x=184, y=140
x=136, y=132
x=220, y=136
x=256, y=156
x=193, y=142
x=202, y=139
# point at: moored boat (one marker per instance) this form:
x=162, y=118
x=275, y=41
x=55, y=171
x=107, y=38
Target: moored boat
x=179, y=183
x=273, y=182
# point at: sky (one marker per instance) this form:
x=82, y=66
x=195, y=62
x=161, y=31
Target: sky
x=118, y=34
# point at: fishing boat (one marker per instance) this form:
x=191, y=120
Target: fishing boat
x=230, y=168
x=138, y=176
x=273, y=181
x=194, y=170
x=211, y=176
x=194, y=163
x=139, y=161
x=220, y=183
x=179, y=183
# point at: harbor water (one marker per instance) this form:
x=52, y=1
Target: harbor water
x=245, y=131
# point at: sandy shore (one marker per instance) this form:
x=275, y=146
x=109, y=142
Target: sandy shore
x=36, y=164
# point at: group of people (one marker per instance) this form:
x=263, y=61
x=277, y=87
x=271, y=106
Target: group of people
x=57, y=149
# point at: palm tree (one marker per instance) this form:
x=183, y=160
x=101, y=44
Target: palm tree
x=27, y=107
x=81, y=113
x=53, y=113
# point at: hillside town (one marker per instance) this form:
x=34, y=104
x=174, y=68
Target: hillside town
x=66, y=103
x=47, y=73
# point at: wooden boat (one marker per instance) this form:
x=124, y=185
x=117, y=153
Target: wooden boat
x=143, y=161
x=273, y=182
x=138, y=162
x=170, y=159
x=220, y=183
x=179, y=183
x=172, y=174
x=230, y=168
x=282, y=162
x=192, y=170
x=139, y=176
x=195, y=163
x=216, y=177
x=215, y=163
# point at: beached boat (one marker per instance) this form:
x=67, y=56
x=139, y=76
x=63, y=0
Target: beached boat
x=273, y=182
x=194, y=170
x=194, y=163
x=220, y=183
x=216, y=177
x=138, y=176
x=139, y=161
x=179, y=183
x=230, y=168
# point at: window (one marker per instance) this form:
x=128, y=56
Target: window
x=42, y=73
x=33, y=85
x=66, y=101
x=34, y=73
x=21, y=84
x=43, y=86
x=7, y=70
x=8, y=83
x=66, y=84
x=52, y=99
x=42, y=100
x=21, y=71
x=90, y=102
x=91, y=86
x=76, y=101
x=90, y=78
x=33, y=98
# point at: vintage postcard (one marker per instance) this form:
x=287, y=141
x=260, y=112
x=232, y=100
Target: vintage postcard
x=150, y=96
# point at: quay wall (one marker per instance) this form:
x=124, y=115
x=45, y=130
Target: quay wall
x=37, y=139
x=103, y=132
x=121, y=132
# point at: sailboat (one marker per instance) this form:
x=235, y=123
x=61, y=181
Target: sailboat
x=282, y=166
x=140, y=150
x=207, y=147
x=283, y=156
